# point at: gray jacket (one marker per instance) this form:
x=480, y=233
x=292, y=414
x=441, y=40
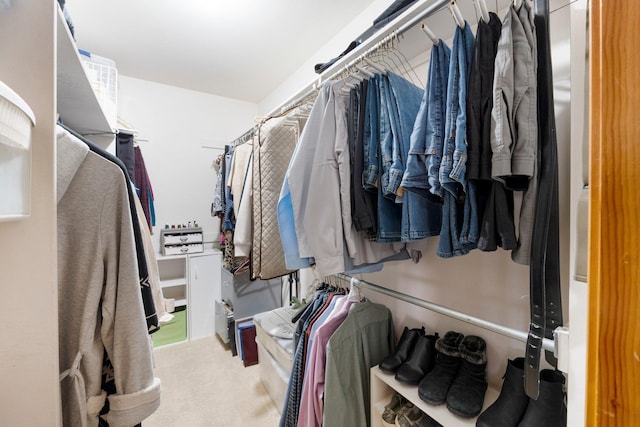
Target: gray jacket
x=514, y=118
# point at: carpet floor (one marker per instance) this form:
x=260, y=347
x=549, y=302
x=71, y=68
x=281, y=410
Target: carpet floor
x=204, y=386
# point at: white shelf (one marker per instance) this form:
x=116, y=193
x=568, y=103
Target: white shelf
x=76, y=101
x=439, y=413
x=173, y=282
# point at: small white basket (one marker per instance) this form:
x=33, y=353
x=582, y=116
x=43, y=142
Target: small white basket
x=103, y=76
x=16, y=121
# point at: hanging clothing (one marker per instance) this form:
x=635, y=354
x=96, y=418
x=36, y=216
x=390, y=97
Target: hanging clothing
x=421, y=217
x=514, y=139
x=273, y=148
x=460, y=224
x=427, y=137
x=242, y=237
x=311, y=401
x=100, y=303
x=145, y=191
x=362, y=341
x=495, y=201
x=124, y=151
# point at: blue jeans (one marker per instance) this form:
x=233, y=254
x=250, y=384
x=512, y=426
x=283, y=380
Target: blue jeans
x=389, y=212
x=460, y=233
x=436, y=118
x=420, y=217
x=371, y=134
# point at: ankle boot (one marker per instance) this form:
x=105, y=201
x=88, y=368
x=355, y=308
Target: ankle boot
x=421, y=361
x=407, y=341
x=512, y=402
x=466, y=395
x=434, y=386
x=549, y=410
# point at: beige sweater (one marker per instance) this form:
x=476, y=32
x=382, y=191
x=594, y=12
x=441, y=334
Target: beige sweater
x=99, y=301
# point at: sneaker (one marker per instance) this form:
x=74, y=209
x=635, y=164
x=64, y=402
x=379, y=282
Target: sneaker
x=395, y=407
x=416, y=418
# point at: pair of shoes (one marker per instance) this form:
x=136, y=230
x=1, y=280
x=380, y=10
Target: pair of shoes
x=514, y=408
x=416, y=418
x=394, y=409
x=414, y=357
x=459, y=376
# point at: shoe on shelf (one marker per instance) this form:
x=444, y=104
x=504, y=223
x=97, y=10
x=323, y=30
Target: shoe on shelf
x=421, y=361
x=512, y=402
x=407, y=341
x=416, y=418
x=433, y=388
x=466, y=395
x=549, y=409
x=391, y=409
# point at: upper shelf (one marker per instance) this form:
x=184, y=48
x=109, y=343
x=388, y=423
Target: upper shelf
x=77, y=103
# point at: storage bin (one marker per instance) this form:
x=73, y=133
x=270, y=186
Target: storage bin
x=16, y=121
x=103, y=76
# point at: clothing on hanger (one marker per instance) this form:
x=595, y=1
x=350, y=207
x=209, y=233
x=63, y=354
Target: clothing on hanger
x=100, y=278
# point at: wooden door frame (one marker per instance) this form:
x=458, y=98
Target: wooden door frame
x=613, y=349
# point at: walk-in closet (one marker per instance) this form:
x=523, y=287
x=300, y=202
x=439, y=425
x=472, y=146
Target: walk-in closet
x=366, y=213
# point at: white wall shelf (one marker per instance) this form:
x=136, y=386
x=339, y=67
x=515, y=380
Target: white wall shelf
x=383, y=386
x=77, y=103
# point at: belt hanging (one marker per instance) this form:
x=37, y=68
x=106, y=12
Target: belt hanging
x=545, y=291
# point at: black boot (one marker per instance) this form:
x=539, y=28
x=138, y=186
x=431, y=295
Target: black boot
x=434, y=386
x=407, y=341
x=421, y=361
x=466, y=395
x=510, y=406
x=549, y=410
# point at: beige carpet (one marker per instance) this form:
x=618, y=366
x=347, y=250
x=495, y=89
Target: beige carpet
x=204, y=386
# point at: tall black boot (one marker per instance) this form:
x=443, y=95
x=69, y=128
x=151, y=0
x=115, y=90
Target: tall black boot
x=407, y=341
x=434, y=386
x=510, y=406
x=549, y=410
x=421, y=361
x=466, y=395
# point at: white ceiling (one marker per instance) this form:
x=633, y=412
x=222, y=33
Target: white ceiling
x=240, y=49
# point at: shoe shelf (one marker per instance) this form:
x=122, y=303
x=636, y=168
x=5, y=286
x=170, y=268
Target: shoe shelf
x=383, y=386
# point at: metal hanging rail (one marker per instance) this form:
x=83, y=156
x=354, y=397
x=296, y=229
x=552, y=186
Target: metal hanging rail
x=547, y=344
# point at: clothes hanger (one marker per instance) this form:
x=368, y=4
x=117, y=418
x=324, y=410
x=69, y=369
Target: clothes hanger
x=481, y=7
x=457, y=15
x=429, y=33
x=374, y=66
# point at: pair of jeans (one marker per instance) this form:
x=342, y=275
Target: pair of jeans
x=421, y=217
x=460, y=224
x=435, y=126
x=389, y=212
x=363, y=208
x=371, y=140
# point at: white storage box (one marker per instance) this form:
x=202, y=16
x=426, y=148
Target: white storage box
x=273, y=376
x=16, y=121
x=103, y=76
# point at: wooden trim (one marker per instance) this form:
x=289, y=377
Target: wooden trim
x=613, y=356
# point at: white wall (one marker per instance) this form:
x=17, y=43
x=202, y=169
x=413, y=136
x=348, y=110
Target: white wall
x=30, y=392
x=177, y=123
x=337, y=44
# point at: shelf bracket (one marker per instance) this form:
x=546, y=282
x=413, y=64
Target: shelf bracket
x=561, y=347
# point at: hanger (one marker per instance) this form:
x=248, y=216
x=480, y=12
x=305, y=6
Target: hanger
x=375, y=66
x=481, y=6
x=457, y=15
x=354, y=290
x=364, y=71
x=429, y=33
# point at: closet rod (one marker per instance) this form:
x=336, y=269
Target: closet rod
x=547, y=344
x=404, y=23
